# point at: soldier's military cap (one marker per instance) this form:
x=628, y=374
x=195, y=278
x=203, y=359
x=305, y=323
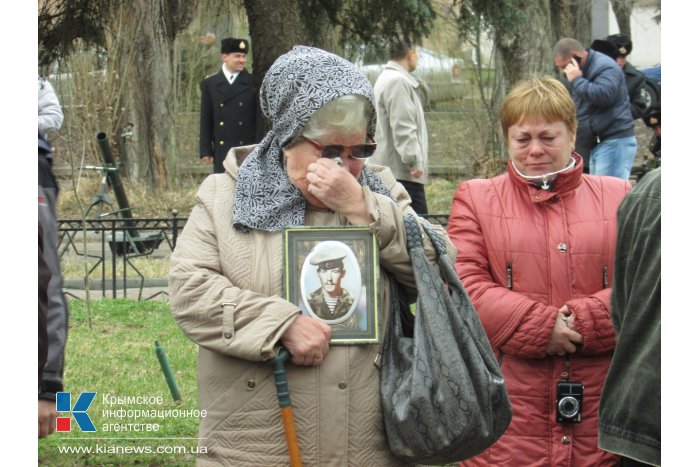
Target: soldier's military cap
x=328, y=258
x=652, y=116
x=604, y=46
x=231, y=45
x=623, y=44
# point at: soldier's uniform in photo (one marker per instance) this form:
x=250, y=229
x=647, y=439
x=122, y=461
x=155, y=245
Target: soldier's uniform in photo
x=320, y=307
x=230, y=113
x=331, y=258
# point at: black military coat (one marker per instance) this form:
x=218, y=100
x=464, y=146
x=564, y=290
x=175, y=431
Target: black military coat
x=230, y=116
x=635, y=81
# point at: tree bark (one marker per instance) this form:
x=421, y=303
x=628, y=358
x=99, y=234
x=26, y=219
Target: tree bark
x=151, y=87
x=623, y=12
x=571, y=19
x=274, y=30
x=525, y=49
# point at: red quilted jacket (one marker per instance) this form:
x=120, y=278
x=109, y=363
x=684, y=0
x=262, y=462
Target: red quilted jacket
x=523, y=253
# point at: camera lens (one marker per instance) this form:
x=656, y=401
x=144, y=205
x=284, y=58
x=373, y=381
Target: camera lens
x=568, y=407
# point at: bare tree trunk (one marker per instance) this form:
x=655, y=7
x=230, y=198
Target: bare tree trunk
x=151, y=86
x=623, y=11
x=571, y=18
x=527, y=48
x=275, y=27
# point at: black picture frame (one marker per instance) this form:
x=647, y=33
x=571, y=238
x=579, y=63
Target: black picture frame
x=356, y=314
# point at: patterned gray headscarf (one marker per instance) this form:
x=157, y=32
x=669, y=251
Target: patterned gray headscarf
x=299, y=83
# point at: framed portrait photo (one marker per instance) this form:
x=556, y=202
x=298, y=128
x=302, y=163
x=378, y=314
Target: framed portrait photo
x=332, y=273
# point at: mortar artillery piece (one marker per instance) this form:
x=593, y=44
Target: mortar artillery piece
x=128, y=241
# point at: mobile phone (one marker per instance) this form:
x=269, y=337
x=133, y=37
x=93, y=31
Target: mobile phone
x=577, y=58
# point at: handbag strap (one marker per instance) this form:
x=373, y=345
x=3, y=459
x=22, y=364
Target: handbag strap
x=414, y=238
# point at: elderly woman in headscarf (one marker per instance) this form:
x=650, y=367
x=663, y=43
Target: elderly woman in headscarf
x=226, y=273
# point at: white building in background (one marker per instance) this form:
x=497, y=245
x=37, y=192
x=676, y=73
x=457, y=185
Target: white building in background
x=646, y=36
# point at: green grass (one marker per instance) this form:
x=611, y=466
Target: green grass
x=72, y=267
x=117, y=357
x=439, y=192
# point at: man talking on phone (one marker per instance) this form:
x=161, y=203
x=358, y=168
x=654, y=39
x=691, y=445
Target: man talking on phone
x=605, y=135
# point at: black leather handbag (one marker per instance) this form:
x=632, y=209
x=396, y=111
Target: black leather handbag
x=442, y=391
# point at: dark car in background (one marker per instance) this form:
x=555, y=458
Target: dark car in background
x=652, y=84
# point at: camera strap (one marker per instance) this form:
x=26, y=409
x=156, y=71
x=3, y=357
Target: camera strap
x=567, y=368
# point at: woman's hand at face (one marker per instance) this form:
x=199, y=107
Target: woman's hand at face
x=338, y=189
x=308, y=340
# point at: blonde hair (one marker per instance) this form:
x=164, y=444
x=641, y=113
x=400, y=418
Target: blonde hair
x=541, y=97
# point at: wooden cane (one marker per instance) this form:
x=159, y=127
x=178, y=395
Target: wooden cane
x=285, y=403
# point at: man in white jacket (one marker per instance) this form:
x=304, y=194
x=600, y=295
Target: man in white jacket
x=402, y=137
x=50, y=113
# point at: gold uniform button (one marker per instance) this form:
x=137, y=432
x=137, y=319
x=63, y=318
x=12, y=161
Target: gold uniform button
x=221, y=105
x=565, y=440
x=221, y=123
x=221, y=143
x=240, y=123
x=240, y=104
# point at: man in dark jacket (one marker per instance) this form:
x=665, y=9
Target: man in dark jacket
x=230, y=112
x=633, y=77
x=54, y=329
x=652, y=119
x=630, y=405
x=605, y=125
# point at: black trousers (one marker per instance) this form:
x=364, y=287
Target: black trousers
x=417, y=193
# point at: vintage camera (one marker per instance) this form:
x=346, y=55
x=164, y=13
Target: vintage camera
x=569, y=402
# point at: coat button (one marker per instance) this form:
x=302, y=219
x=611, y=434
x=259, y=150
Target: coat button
x=221, y=143
x=538, y=196
x=227, y=334
x=562, y=247
x=564, y=376
x=342, y=385
x=240, y=143
x=221, y=105
x=565, y=440
x=251, y=384
x=221, y=123
x=240, y=104
x=240, y=123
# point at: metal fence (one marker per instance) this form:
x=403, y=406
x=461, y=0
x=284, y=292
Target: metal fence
x=112, y=245
x=107, y=243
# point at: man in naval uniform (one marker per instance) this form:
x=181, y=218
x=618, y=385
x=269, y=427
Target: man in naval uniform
x=330, y=301
x=230, y=112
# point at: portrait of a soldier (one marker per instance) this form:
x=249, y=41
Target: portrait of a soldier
x=330, y=301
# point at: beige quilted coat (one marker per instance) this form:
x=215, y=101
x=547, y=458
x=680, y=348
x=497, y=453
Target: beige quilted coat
x=225, y=290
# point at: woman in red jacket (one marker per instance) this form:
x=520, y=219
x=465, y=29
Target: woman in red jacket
x=535, y=252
